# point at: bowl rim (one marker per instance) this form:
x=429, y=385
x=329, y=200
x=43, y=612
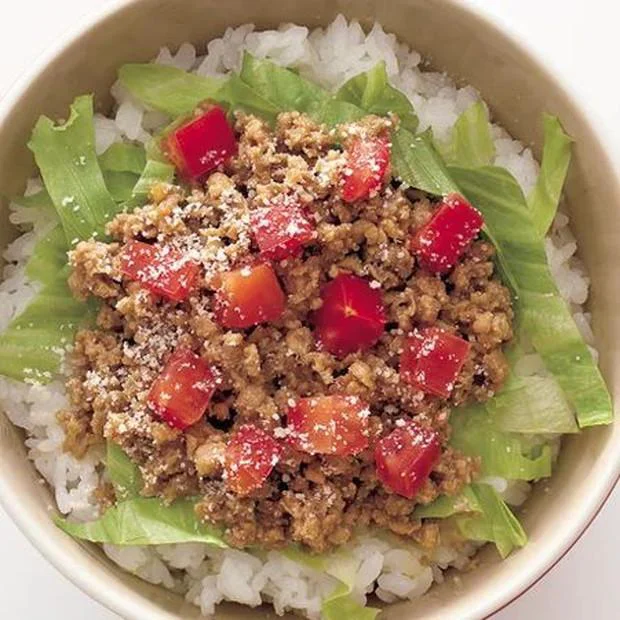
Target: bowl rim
x=130, y=607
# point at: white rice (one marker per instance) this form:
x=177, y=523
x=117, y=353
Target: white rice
x=204, y=575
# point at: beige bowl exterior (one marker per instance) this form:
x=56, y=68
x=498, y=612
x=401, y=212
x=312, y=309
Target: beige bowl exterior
x=518, y=90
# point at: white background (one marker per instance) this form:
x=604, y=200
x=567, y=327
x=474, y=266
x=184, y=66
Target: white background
x=580, y=41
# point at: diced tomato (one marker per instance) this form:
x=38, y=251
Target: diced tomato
x=161, y=269
x=181, y=393
x=432, y=359
x=281, y=229
x=352, y=316
x=251, y=455
x=329, y=425
x=202, y=144
x=440, y=243
x=405, y=458
x=367, y=167
x=248, y=296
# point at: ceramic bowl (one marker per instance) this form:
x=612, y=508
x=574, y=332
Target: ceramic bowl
x=518, y=90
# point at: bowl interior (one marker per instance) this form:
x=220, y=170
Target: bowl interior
x=518, y=91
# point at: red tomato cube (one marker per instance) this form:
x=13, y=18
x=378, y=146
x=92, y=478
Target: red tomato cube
x=367, y=167
x=248, y=296
x=161, y=269
x=432, y=359
x=352, y=317
x=202, y=144
x=329, y=425
x=251, y=455
x=440, y=243
x=405, y=458
x=181, y=393
x=281, y=229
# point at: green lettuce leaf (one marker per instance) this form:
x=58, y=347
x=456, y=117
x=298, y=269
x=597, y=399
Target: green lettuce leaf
x=508, y=455
x=372, y=92
x=495, y=523
x=340, y=605
x=120, y=185
x=544, y=316
x=34, y=344
x=282, y=88
x=154, y=172
x=123, y=473
x=123, y=157
x=145, y=521
x=532, y=405
x=479, y=514
x=341, y=565
x=471, y=144
x=335, y=112
x=448, y=505
x=40, y=200
x=167, y=89
x=49, y=257
x=545, y=197
x=417, y=163
x=65, y=155
x=241, y=96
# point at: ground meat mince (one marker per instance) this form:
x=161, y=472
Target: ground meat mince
x=318, y=501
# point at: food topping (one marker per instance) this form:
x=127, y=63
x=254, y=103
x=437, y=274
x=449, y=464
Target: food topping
x=432, y=359
x=367, y=168
x=301, y=388
x=351, y=317
x=202, y=144
x=406, y=457
x=441, y=242
x=335, y=424
x=248, y=296
x=251, y=455
x=182, y=392
x=281, y=230
x=161, y=269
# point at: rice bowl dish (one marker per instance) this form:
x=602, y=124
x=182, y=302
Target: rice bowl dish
x=289, y=578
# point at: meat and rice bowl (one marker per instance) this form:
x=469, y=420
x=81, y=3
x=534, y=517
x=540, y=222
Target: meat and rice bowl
x=297, y=324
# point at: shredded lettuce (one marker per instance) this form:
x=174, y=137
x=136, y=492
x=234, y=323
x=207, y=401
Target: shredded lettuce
x=448, y=505
x=154, y=172
x=545, y=317
x=145, y=521
x=167, y=89
x=417, y=163
x=65, y=155
x=507, y=455
x=120, y=185
x=240, y=95
x=532, y=405
x=545, y=197
x=340, y=605
x=123, y=473
x=39, y=200
x=122, y=164
x=282, y=88
x=372, y=92
x=123, y=157
x=48, y=258
x=494, y=523
x=335, y=112
x=343, y=566
x=33, y=345
x=137, y=520
x=471, y=143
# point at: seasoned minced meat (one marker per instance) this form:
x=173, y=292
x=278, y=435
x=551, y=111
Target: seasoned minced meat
x=315, y=500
